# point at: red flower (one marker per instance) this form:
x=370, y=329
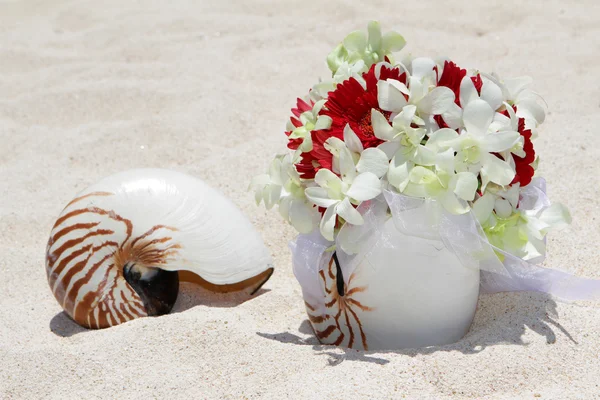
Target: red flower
x=350, y=103
x=524, y=170
x=451, y=78
x=301, y=107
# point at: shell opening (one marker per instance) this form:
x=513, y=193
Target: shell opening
x=156, y=287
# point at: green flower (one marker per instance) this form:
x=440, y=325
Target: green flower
x=371, y=48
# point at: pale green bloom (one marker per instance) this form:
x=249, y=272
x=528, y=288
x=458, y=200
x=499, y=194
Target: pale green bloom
x=371, y=48
x=311, y=120
x=282, y=185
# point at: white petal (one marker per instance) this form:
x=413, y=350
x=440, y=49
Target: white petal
x=531, y=109
x=453, y=204
x=366, y=186
x=356, y=41
x=347, y=167
x=422, y=67
x=345, y=210
x=516, y=85
x=503, y=208
x=440, y=139
x=301, y=216
x=557, y=216
x=496, y=170
x=318, y=196
x=405, y=118
x=351, y=140
x=327, y=179
x=323, y=122
x=374, y=30
x=373, y=160
x=438, y=101
x=392, y=41
x=327, y=224
x=483, y=207
x=492, y=94
x=465, y=185
x=389, y=97
x=499, y=141
x=478, y=116
x=468, y=93
x=453, y=116
x=381, y=127
x=398, y=174
x=389, y=148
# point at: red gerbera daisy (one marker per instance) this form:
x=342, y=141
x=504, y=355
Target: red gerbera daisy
x=301, y=107
x=524, y=170
x=351, y=103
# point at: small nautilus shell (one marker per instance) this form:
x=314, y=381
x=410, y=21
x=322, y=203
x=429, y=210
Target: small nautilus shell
x=117, y=250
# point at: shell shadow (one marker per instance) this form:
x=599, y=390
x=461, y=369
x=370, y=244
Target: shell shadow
x=190, y=295
x=500, y=319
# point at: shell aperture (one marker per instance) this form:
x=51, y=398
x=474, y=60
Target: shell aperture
x=115, y=252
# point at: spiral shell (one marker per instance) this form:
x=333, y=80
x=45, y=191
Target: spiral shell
x=114, y=252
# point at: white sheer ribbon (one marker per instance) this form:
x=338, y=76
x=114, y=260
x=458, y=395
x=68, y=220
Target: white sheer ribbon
x=460, y=233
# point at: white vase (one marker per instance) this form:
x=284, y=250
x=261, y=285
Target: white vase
x=413, y=294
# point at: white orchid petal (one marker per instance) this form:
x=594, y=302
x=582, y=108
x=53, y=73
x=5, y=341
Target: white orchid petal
x=328, y=180
x=499, y=141
x=351, y=140
x=323, y=122
x=345, y=210
x=468, y=92
x=392, y=41
x=374, y=30
x=301, y=216
x=327, y=225
x=319, y=197
x=465, y=185
x=365, y=186
x=347, y=166
x=492, y=94
x=478, y=116
x=389, y=97
x=381, y=126
x=557, y=216
x=453, y=204
x=503, y=208
x=516, y=85
x=438, y=101
x=453, y=116
x=422, y=67
x=389, y=148
x=373, y=160
x=530, y=109
x=441, y=139
x=356, y=41
x=399, y=173
x=483, y=207
x=496, y=170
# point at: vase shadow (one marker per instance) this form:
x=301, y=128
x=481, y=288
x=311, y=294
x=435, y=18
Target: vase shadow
x=500, y=319
x=190, y=295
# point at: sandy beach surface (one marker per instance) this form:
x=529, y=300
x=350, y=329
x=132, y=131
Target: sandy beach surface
x=91, y=88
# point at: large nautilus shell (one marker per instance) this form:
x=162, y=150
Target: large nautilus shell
x=117, y=250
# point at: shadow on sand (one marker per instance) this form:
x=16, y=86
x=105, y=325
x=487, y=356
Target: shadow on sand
x=500, y=319
x=190, y=295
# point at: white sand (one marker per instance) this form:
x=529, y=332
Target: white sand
x=94, y=87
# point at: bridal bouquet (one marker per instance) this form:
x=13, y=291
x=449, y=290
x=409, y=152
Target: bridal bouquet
x=421, y=127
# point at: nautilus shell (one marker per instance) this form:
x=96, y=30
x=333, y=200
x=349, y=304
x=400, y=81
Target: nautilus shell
x=405, y=292
x=117, y=250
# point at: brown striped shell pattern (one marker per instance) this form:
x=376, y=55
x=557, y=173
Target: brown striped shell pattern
x=116, y=250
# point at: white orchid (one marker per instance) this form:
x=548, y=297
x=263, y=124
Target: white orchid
x=516, y=91
x=476, y=143
x=282, y=185
x=338, y=195
x=428, y=100
x=311, y=120
x=370, y=49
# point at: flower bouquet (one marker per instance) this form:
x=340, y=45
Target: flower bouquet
x=412, y=183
